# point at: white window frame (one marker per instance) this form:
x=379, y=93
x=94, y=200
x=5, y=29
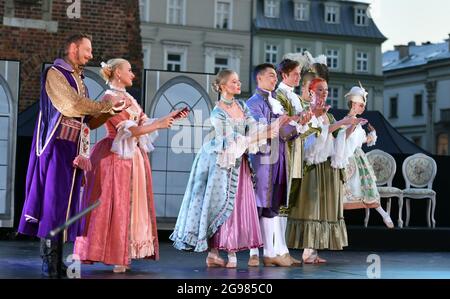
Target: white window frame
x=274, y=11
x=145, y=11
x=332, y=9
x=271, y=52
x=230, y=15
x=360, y=59
x=361, y=15
x=301, y=10
x=177, y=50
x=227, y=66
x=146, y=60
x=333, y=56
x=183, y=13
x=334, y=101
x=218, y=51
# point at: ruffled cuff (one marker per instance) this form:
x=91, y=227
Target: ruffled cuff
x=374, y=137
x=255, y=146
x=124, y=144
x=319, y=150
x=339, y=159
x=235, y=149
x=146, y=141
x=301, y=129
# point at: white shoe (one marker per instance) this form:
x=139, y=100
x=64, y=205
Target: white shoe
x=388, y=221
x=120, y=269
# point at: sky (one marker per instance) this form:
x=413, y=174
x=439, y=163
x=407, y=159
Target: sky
x=402, y=21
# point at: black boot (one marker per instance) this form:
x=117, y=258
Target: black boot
x=51, y=254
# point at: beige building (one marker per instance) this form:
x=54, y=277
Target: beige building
x=416, y=94
x=201, y=36
x=342, y=30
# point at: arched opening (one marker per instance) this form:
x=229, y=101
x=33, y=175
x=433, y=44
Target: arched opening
x=172, y=160
x=7, y=151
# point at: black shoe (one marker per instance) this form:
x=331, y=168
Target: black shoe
x=52, y=264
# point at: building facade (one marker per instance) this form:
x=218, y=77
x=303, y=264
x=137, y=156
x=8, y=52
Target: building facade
x=201, y=36
x=32, y=34
x=341, y=30
x=417, y=93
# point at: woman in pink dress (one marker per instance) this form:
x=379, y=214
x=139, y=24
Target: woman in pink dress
x=123, y=227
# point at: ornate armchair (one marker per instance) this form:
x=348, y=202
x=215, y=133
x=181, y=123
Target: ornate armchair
x=419, y=172
x=384, y=166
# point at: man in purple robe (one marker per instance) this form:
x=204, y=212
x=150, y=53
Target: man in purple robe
x=60, y=151
x=270, y=165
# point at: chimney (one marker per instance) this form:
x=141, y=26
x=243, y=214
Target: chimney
x=403, y=51
x=411, y=44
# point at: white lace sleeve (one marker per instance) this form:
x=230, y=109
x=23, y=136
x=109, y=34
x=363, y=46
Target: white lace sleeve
x=234, y=150
x=374, y=137
x=300, y=128
x=236, y=147
x=318, y=147
x=124, y=143
x=258, y=129
x=339, y=159
x=146, y=141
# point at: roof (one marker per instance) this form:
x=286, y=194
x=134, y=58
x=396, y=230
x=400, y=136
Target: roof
x=389, y=139
x=316, y=23
x=418, y=55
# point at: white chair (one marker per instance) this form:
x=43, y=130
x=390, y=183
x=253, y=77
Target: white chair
x=419, y=172
x=384, y=166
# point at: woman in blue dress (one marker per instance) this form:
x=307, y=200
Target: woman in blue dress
x=219, y=211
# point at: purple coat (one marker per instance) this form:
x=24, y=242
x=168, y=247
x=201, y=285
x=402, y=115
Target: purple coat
x=271, y=174
x=52, y=181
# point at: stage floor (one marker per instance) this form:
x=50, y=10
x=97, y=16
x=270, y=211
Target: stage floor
x=20, y=259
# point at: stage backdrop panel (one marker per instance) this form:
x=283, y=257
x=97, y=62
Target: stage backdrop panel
x=9, y=98
x=172, y=159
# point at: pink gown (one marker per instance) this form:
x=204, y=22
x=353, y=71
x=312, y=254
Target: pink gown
x=123, y=227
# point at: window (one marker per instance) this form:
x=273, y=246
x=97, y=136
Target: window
x=146, y=53
x=360, y=16
x=417, y=140
x=271, y=53
x=442, y=145
x=333, y=59
x=220, y=63
x=144, y=10
x=223, y=15
x=362, y=62
x=418, y=105
x=333, y=97
x=393, y=107
x=173, y=62
x=300, y=49
x=331, y=14
x=175, y=57
x=176, y=11
x=301, y=11
x=218, y=57
x=272, y=8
